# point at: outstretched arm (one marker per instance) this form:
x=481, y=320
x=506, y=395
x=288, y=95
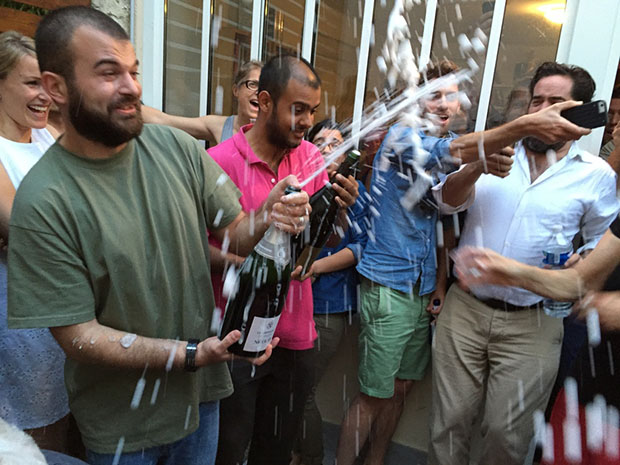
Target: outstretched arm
x=207, y=127
x=91, y=342
x=484, y=266
x=547, y=125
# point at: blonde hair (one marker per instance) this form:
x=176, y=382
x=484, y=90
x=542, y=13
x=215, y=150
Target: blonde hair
x=13, y=46
x=245, y=69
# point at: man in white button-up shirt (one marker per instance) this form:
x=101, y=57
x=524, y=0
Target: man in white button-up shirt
x=496, y=352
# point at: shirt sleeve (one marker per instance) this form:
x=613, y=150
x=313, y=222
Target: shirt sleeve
x=406, y=148
x=54, y=292
x=357, y=215
x=600, y=213
x=440, y=158
x=220, y=195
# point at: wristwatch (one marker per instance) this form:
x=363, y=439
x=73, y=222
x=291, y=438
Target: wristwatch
x=190, y=354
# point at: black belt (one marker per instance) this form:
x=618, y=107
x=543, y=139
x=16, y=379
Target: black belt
x=506, y=307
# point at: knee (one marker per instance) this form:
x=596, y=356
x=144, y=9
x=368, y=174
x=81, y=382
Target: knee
x=402, y=387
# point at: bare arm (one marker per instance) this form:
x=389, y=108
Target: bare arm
x=460, y=185
x=341, y=260
x=220, y=261
x=207, y=127
x=94, y=343
x=478, y=266
x=546, y=124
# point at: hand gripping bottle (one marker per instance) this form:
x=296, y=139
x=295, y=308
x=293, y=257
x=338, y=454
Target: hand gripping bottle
x=556, y=253
x=308, y=244
x=262, y=285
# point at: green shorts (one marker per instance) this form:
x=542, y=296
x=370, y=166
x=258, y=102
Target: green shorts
x=393, y=340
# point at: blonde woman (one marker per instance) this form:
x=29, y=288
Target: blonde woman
x=32, y=390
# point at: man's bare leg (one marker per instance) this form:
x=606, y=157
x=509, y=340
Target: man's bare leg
x=386, y=422
x=356, y=427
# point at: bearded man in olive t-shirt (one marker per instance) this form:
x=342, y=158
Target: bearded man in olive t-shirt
x=109, y=249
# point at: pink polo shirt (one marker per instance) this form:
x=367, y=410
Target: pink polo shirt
x=255, y=179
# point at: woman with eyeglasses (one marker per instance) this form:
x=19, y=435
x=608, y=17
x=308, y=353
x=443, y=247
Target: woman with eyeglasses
x=217, y=128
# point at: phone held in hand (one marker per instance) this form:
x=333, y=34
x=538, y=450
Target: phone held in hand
x=589, y=115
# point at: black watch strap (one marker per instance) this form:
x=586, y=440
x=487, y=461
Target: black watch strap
x=190, y=354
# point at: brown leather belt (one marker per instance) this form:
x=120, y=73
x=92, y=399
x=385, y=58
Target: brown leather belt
x=506, y=307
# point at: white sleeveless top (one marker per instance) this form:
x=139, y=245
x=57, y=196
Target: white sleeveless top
x=18, y=158
x=32, y=389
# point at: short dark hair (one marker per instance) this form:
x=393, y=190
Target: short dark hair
x=56, y=29
x=440, y=68
x=583, y=84
x=279, y=70
x=327, y=123
x=616, y=92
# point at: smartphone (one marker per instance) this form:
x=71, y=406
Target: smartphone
x=589, y=115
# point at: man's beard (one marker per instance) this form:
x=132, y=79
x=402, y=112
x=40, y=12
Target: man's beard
x=275, y=135
x=538, y=146
x=104, y=128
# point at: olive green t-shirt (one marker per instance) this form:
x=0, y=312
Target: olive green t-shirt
x=124, y=240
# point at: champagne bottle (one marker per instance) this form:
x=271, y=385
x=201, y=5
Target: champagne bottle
x=262, y=286
x=308, y=244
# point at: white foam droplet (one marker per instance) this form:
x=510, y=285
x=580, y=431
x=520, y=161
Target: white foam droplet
x=137, y=394
x=218, y=218
x=219, y=100
x=127, y=340
x=231, y=283
x=221, y=180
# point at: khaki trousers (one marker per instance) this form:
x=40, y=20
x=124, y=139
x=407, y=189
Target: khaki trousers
x=494, y=364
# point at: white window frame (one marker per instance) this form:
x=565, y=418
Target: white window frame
x=153, y=27
x=597, y=53
x=590, y=38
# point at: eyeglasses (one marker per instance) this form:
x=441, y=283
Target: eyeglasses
x=250, y=84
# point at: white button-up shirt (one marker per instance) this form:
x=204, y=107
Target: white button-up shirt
x=514, y=216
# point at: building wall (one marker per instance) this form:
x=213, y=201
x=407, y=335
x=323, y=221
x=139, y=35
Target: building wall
x=120, y=10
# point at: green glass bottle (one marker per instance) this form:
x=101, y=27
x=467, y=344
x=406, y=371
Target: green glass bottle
x=263, y=281
x=307, y=245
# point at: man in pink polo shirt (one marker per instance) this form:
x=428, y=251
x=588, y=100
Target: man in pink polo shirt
x=267, y=405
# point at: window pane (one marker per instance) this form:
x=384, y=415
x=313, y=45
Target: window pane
x=182, y=57
x=527, y=40
x=453, y=19
x=283, y=26
x=230, y=49
x=339, y=24
x=375, y=80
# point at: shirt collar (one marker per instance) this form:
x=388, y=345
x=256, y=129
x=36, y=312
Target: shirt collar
x=243, y=146
x=575, y=151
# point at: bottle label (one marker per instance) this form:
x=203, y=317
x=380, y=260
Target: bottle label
x=555, y=259
x=261, y=333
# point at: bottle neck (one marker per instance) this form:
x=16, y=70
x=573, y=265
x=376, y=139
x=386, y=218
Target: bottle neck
x=275, y=245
